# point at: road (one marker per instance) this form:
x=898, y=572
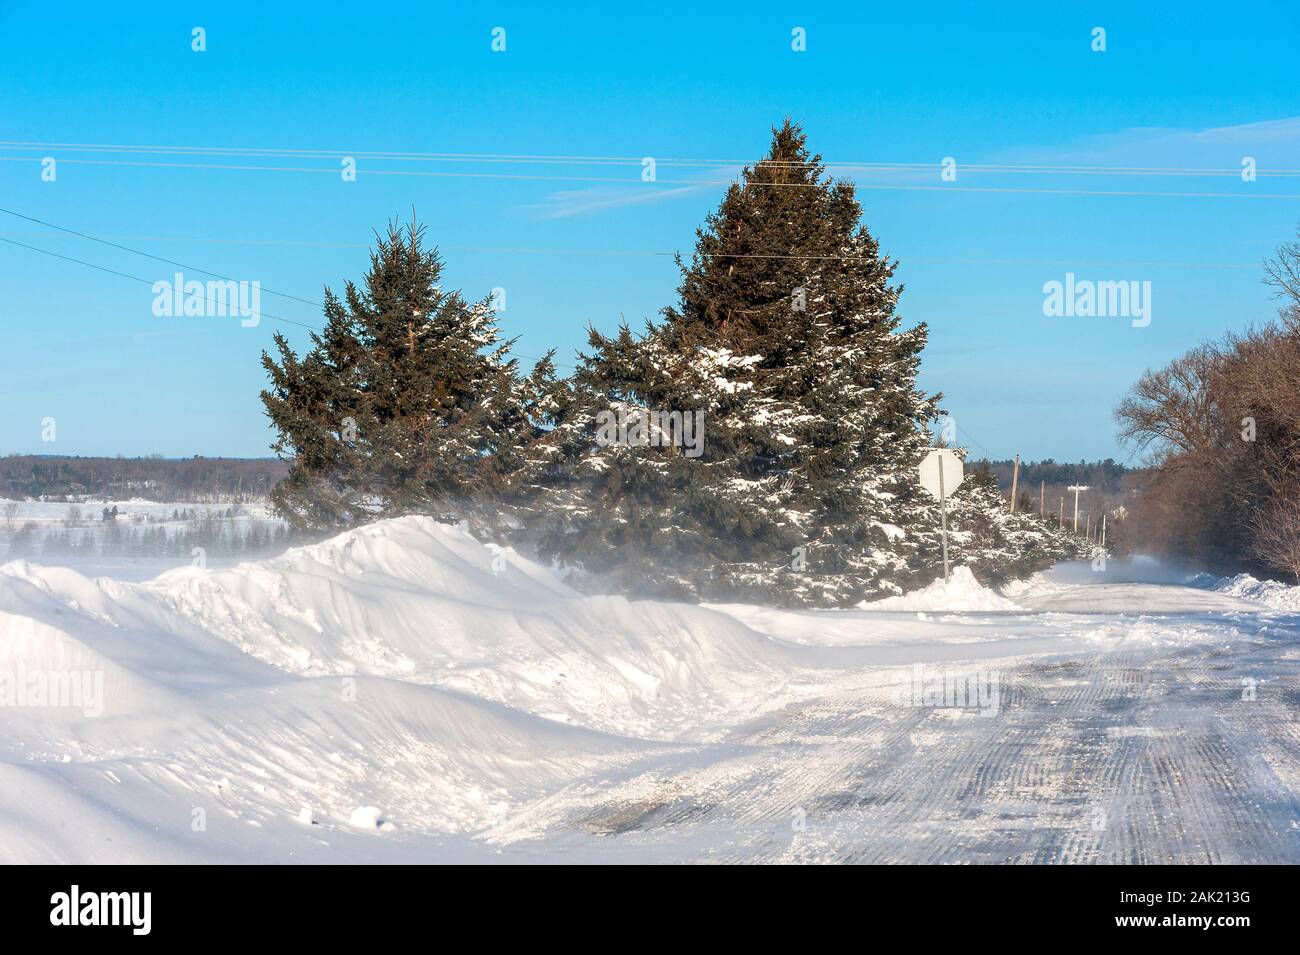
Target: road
x=1170, y=736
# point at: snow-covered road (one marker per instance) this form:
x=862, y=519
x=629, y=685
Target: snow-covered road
x=1142, y=755
x=403, y=693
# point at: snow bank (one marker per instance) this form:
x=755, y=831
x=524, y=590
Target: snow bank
x=403, y=666
x=960, y=592
x=1273, y=594
x=424, y=602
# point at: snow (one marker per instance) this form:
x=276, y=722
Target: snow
x=367, y=817
x=402, y=692
x=1270, y=593
x=961, y=592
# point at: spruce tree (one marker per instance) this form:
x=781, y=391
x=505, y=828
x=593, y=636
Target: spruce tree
x=407, y=401
x=785, y=337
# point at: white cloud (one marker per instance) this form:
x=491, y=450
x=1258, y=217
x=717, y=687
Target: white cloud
x=578, y=202
x=1221, y=146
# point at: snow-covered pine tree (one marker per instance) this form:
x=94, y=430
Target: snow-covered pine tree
x=407, y=401
x=785, y=336
x=607, y=488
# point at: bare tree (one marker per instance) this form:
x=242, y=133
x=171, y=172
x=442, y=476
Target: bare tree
x=1283, y=273
x=1277, y=528
x=1221, y=425
x=1173, y=410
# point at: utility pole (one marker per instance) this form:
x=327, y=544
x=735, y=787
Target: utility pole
x=1103, y=531
x=1076, y=488
x=1042, y=494
x=1060, y=517
x=1015, y=483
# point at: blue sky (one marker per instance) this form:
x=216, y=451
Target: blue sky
x=1016, y=85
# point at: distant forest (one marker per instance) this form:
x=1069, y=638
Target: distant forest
x=197, y=479
x=1106, y=476
x=204, y=480
x=1113, y=490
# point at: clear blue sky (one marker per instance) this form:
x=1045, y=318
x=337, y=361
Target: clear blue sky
x=1179, y=86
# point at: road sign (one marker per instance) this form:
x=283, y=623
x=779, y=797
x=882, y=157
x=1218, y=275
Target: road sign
x=941, y=464
x=940, y=473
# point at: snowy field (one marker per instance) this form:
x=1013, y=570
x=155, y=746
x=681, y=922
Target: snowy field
x=49, y=514
x=402, y=693
x=145, y=539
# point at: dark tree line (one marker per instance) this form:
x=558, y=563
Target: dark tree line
x=1107, y=475
x=196, y=480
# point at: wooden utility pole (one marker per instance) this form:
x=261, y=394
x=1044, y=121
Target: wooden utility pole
x=1015, y=483
x=1042, y=494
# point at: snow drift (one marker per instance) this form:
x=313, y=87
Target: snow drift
x=1271, y=593
x=961, y=591
x=403, y=673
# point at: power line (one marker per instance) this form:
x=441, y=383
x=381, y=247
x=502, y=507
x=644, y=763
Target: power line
x=172, y=262
x=147, y=255
x=208, y=298
x=987, y=454
x=136, y=278
x=537, y=159
x=629, y=252
x=678, y=183
x=652, y=253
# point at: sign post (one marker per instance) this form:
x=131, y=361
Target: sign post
x=940, y=473
x=1076, y=488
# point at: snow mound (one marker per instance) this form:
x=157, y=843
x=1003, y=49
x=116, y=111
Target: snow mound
x=1273, y=594
x=367, y=817
x=417, y=600
x=402, y=665
x=407, y=599
x=961, y=592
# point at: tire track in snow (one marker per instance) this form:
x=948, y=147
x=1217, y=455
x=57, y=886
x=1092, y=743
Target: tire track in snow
x=1137, y=755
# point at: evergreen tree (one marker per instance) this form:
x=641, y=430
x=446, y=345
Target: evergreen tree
x=406, y=401
x=785, y=338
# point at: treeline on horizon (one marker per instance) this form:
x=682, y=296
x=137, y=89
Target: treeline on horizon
x=203, y=479
x=1107, y=475
x=213, y=532
x=184, y=480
